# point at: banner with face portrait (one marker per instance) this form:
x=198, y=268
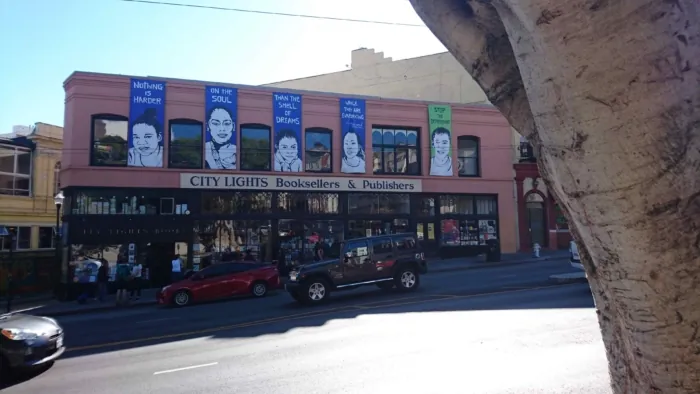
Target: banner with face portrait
x=352, y=126
x=220, y=148
x=286, y=109
x=440, y=122
x=146, y=123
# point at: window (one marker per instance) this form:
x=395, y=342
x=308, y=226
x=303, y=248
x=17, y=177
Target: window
x=426, y=206
x=312, y=203
x=15, y=170
x=22, y=238
x=382, y=245
x=468, y=156
x=405, y=243
x=122, y=202
x=370, y=203
x=318, y=150
x=255, y=147
x=46, y=237
x=109, y=140
x=218, y=240
x=57, y=178
x=217, y=203
x=357, y=248
x=486, y=205
x=395, y=151
x=456, y=204
x=185, y=145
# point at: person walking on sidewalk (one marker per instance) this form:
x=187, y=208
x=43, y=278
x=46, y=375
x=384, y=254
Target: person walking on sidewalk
x=136, y=273
x=121, y=280
x=102, y=279
x=176, y=273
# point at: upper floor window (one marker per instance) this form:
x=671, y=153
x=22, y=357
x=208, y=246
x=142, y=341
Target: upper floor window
x=57, y=177
x=110, y=145
x=255, y=147
x=19, y=238
x=185, y=145
x=15, y=170
x=395, y=151
x=527, y=153
x=318, y=150
x=468, y=156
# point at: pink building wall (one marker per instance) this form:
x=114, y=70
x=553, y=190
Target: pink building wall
x=88, y=94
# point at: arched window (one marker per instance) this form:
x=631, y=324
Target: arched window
x=468, y=156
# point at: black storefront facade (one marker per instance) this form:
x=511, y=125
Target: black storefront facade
x=211, y=217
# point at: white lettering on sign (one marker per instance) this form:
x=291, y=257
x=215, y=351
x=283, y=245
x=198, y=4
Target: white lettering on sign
x=272, y=182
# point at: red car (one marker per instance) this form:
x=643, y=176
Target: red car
x=219, y=281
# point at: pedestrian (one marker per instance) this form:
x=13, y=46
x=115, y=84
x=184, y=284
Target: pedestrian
x=318, y=251
x=102, y=279
x=122, y=277
x=176, y=271
x=136, y=273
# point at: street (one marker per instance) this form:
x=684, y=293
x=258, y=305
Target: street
x=493, y=330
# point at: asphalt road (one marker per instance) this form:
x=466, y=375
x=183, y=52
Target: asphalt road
x=496, y=330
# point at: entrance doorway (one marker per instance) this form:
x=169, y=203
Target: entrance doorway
x=536, y=219
x=425, y=231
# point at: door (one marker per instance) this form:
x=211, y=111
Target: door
x=357, y=262
x=425, y=232
x=240, y=278
x=213, y=283
x=535, y=222
x=383, y=258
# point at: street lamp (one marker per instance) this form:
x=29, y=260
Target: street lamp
x=58, y=200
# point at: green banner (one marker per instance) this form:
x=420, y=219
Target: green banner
x=440, y=121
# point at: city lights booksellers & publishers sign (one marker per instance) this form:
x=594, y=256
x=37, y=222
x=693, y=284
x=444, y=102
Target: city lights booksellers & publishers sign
x=298, y=183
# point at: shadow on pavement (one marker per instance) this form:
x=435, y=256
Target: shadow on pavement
x=8, y=380
x=280, y=315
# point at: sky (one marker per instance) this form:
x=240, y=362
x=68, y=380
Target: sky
x=43, y=41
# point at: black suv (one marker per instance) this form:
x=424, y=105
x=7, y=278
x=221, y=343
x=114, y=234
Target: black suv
x=385, y=261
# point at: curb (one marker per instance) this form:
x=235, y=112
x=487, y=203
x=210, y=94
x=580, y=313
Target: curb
x=488, y=265
x=566, y=278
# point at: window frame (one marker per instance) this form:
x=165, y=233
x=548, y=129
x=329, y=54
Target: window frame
x=112, y=117
x=52, y=237
x=187, y=122
x=318, y=130
x=15, y=232
x=477, y=141
x=382, y=146
x=15, y=168
x=242, y=150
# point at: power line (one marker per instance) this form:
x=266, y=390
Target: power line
x=318, y=17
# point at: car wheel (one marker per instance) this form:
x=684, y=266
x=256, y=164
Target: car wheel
x=182, y=298
x=259, y=289
x=407, y=279
x=316, y=291
x=385, y=285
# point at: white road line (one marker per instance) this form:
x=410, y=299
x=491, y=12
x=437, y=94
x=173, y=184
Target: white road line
x=185, y=368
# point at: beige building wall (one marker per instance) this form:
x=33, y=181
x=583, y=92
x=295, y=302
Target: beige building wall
x=437, y=78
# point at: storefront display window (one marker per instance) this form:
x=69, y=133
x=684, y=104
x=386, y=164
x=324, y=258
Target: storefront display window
x=457, y=204
x=486, y=205
x=369, y=228
x=228, y=240
x=468, y=232
x=312, y=203
x=117, y=202
x=370, y=203
x=218, y=203
x=426, y=206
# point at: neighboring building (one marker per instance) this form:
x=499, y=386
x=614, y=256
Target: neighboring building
x=212, y=183
x=441, y=78
x=29, y=169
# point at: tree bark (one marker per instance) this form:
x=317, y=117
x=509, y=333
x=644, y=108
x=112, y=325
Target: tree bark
x=607, y=92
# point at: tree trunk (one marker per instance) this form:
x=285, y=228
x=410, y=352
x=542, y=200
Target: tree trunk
x=607, y=92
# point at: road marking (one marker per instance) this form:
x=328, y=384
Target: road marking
x=184, y=368
x=324, y=312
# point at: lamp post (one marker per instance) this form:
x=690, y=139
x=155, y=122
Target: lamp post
x=58, y=200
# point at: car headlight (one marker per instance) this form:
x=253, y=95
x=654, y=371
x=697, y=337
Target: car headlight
x=19, y=335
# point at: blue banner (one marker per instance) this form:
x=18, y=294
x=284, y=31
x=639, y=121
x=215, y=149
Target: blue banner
x=146, y=123
x=286, y=108
x=221, y=106
x=352, y=126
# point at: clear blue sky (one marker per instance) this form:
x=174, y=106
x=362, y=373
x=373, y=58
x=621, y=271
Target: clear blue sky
x=43, y=41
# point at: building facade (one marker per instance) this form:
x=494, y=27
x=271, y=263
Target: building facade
x=441, y=78
x=157, y=167
x=29, y=180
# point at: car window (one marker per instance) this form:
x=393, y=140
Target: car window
x=216, y=270
x=382, y=245
x=242, y=267
x=405, y=243
x=357, y=248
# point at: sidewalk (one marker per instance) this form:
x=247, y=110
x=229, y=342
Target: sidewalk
x=47, y=306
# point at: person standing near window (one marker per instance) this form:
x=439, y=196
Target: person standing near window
x=136, y=273
x=176, y=273
x=102, y=279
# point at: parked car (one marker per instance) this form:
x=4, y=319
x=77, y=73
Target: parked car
x=219, y=281
x=386, y=261
x=28, y=341
x=574, y=258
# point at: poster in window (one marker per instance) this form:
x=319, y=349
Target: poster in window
x=146, y=120
x=440, y=120
x=352, y=126
x=287, y=126
x=221, y=107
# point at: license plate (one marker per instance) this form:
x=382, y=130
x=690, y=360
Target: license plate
x=59, y=342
